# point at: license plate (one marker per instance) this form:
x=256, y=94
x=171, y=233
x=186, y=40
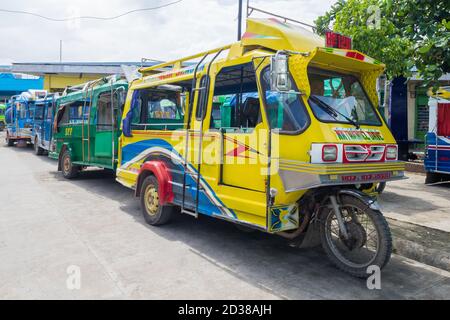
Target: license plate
x=367, y=177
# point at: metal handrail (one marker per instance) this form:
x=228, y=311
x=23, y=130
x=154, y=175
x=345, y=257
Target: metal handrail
x=177, y=63
x=286, y=19
x=88, y=85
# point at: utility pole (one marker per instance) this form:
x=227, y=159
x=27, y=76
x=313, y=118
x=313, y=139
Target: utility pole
x=240, y=21
x=60, y=51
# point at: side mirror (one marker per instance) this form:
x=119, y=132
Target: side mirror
x=128, y=118
x=126, y=125
x=279, y=70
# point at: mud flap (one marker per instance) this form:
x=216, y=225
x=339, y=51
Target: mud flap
x=310, y=239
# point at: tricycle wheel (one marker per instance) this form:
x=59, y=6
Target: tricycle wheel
x=9, y=142
x=37, y=150
x=369, y=240
x=380, y=187
x=69, y=170
x=154, y=212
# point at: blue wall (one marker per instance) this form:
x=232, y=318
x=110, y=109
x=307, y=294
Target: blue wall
x=9, y=85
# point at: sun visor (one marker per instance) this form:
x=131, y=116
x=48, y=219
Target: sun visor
x=349, y=60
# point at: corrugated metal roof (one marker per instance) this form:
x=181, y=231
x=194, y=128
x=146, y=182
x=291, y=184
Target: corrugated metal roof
x=117, y=64
x=106, y=68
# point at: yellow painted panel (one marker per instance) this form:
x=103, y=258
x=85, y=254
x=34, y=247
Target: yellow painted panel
x=57, y=82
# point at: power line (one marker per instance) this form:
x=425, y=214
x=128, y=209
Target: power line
x=90, y=17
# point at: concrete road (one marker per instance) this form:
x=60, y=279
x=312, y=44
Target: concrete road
x=48, y=224
x=414, y=202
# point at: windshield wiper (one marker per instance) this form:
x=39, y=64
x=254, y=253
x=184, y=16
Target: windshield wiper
x=333, y=112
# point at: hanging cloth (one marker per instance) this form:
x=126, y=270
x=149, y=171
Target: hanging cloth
x=444, y=119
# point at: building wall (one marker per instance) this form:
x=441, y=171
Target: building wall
x=417, y=96
x=58, y=82
x=11, y=85
x=411, y=111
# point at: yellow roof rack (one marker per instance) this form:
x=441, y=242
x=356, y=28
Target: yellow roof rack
x=178, y=64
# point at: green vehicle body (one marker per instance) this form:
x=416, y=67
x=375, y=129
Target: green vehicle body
x=2, y=117
x=87, y=123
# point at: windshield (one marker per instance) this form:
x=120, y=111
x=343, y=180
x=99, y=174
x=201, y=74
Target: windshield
x=285, y=111
x=39, y=112
x=340, y=98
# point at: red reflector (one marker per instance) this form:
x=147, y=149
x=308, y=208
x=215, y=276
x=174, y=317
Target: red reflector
x=336, y=40
x=355, y=55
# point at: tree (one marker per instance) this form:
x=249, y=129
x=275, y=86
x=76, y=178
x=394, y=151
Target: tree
x=424, y=23
x=400, y=33
x=370, y=24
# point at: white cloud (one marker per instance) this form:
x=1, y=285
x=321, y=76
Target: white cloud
x=179, y=30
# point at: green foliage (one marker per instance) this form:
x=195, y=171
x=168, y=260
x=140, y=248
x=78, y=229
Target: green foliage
x=409, y=33
x=425, y=23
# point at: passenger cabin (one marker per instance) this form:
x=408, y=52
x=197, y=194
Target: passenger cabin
x=239, y=149
x=44, y=114
x=20, y=118
x=87, y=124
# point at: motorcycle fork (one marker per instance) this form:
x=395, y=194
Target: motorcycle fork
x=337, y=211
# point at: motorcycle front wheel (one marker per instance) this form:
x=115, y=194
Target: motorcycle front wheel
x=368, y=241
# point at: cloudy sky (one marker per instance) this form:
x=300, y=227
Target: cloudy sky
x=179, y=30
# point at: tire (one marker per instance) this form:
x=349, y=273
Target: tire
x=433, y=177
x=380, y=257
x=9, y=142
x=69, y=170
x=154, y=213
x=380, y=187
x=37, y=150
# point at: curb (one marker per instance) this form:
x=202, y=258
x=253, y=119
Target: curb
x=423, y=244
x=415, y=167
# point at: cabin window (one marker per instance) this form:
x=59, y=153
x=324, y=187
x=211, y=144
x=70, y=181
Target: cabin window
x=75, y=113
x=202, y=102
x=107, y=112
x=236, y=104
x=22, y=111
x=340, y=98
x=39, y=112
x=157, y=108
x=78, y=113
x=31, y=112
x=285, y=111
x=136, y=106
x=49, y=112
